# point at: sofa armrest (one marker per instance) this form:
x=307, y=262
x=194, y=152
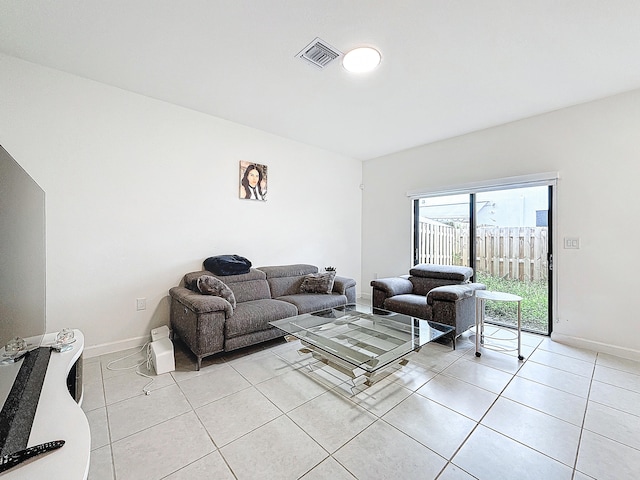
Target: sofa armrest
x=384, y=288
x=340, y=284
x=199, y=303
x=392, y=286
x=453, y=293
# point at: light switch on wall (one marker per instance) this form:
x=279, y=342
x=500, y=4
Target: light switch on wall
x=571, y=242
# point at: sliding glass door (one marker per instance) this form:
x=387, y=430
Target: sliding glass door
x=441, y=233
x=504, y=235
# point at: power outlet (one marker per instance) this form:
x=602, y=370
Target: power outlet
x=141, y=303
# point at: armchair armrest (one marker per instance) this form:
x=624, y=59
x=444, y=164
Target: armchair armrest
x=199, y=303
x=453, y=293
x=340, y=284
x=392, y=286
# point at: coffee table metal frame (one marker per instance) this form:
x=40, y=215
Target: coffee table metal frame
x=358, y=343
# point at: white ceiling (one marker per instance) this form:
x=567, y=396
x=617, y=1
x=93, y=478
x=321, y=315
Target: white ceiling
x=449, y=66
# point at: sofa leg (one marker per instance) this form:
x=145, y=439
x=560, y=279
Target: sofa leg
x=198, y=363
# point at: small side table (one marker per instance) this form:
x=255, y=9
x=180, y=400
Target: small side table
x=481, y=297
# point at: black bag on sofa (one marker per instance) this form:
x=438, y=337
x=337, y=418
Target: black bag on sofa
x=227, y=265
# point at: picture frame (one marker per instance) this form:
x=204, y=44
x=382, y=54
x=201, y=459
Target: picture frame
x=253, y=181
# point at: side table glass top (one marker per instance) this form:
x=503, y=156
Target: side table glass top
x=500, y=296
x=365, y=340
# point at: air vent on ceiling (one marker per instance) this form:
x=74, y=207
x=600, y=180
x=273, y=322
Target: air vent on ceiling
x=319, y=53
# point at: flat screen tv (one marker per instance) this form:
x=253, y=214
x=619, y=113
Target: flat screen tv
x=22, y=261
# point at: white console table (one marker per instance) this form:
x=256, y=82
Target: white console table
x=58, y=417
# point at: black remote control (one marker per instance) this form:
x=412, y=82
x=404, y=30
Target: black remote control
x=13, y=459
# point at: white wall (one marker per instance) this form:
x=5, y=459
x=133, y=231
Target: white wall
x=140, y=192
x=595, y=147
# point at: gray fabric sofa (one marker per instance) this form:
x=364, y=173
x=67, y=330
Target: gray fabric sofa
x=209, y=324
x=441, y=293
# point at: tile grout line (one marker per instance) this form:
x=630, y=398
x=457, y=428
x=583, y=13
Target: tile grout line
x=477, y=423
x=499, y=433
x=412, y=392
x=485, y=414
x=106, y=412
x=584, y=417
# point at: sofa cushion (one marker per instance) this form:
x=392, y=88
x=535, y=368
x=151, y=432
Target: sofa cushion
x=296, y=270
x=286, y=279
x=255, y=315
x=445, y=272
x=250, y=290
x=318, y=282
x=409, y=304
x=210, y=285
x=284, y=286
x=422, y=285
x=190, y=279
x=312, y=302
x=245, y=287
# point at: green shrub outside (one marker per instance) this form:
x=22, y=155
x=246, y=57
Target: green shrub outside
x=535, y=304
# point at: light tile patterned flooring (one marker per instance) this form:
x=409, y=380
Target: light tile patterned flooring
x=563, y=413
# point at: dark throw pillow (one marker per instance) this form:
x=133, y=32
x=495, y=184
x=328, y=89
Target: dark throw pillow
x=209, y=285
x=318, y=282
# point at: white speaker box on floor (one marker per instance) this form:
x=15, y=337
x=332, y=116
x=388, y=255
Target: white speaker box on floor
x=162, y=356
x=160, y=332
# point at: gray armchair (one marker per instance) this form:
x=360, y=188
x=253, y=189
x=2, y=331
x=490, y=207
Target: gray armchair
x=440, y=293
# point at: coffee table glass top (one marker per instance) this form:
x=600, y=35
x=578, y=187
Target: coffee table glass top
x=365, y=340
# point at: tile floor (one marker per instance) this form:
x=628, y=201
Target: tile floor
x=270, y=413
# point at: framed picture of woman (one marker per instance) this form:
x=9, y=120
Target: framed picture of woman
x=253, y=181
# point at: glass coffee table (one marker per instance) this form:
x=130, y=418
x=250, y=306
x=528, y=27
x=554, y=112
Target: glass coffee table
x=359, y=343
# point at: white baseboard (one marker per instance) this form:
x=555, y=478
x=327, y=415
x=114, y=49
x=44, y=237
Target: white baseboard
x=105, y=348
x=365, y=296
x=623, y=352
x=630, y=353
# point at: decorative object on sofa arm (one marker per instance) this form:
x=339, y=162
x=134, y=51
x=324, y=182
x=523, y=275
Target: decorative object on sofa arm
x=208, y=285
x=329, y=269
x=318, y=282
x=227, y=265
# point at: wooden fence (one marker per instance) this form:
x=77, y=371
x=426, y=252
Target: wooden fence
x=518, y=253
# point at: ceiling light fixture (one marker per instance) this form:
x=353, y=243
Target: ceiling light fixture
x=361, y=60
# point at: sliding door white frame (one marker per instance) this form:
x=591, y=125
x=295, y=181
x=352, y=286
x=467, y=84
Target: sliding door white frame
x=540, y=179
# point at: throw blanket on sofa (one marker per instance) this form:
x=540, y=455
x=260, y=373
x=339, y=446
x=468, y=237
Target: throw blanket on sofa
x=227, y=265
